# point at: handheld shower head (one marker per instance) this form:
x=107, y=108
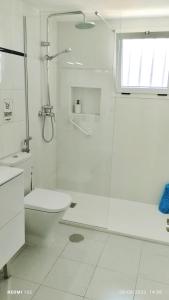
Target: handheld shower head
x=67, y=50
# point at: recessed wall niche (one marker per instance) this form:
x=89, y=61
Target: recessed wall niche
x=90, y=99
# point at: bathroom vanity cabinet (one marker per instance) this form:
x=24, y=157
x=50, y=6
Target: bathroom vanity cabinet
x=12, y=223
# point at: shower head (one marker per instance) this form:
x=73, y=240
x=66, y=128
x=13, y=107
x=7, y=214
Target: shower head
x=85, y=25
x=81, y=25
x=67, y=50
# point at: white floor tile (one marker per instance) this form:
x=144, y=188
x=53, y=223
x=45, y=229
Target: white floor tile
x=33, y=263
x=67, y=230
x=69, y=276
x=155, y=268
x=155, y=263
x=149, y=247
x=25, y=288
x=87, y=251
x=107, y=285
x=122, y=255
x=59, y=242
x=45, y=293
x=151, y=290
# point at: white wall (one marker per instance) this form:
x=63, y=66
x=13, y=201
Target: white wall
x=11, y=83
x=141, y=147
x=12, y=133
x=84, y=162
x=140, y=152
x=44, y=153
x=128, y=154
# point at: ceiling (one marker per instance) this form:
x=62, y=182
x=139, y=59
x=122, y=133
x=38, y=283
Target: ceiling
x=109, y=8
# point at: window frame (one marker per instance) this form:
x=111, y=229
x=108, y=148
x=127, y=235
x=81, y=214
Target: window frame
x=136, y=35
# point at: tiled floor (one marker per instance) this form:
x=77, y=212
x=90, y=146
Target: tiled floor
x=102, y=267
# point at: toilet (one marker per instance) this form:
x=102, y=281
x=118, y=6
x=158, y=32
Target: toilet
x=43, y=208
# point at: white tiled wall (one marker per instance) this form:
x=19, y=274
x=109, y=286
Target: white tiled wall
x=12, y=133
x=44, y=154
x=11, y=77
x=128, y=154
x=140, y=166
x=84, y=162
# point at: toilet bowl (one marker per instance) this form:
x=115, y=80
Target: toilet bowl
x=43, y=208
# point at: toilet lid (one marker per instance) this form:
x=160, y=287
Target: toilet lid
x=47, y=200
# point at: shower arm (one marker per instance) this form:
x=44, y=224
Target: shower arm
x=69, y=13
x=78, y=12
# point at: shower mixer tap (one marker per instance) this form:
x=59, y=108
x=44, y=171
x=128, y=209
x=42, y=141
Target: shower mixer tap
x=46, y=111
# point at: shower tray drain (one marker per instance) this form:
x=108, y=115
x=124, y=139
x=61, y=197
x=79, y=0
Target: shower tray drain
x=76, y=238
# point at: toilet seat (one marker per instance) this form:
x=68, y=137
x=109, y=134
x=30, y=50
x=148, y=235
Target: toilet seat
x=47, y=201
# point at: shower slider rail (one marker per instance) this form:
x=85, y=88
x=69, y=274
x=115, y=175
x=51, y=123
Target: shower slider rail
x=84, y=131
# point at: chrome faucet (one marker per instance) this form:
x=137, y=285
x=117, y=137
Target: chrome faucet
x=26, y=147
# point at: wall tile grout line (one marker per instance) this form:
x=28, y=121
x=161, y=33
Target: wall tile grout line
x=94, y=271
x=36, y=291
x=93, y=265
x=41, y=284
x=60, y=290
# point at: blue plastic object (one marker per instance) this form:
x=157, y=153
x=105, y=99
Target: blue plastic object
x=164, y=202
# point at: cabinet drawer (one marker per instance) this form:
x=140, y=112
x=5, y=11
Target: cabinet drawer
x=11, y=199
x=12, y=238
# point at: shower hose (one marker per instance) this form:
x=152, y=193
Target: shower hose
x=48, y=140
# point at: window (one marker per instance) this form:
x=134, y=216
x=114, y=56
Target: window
x=143, y=62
